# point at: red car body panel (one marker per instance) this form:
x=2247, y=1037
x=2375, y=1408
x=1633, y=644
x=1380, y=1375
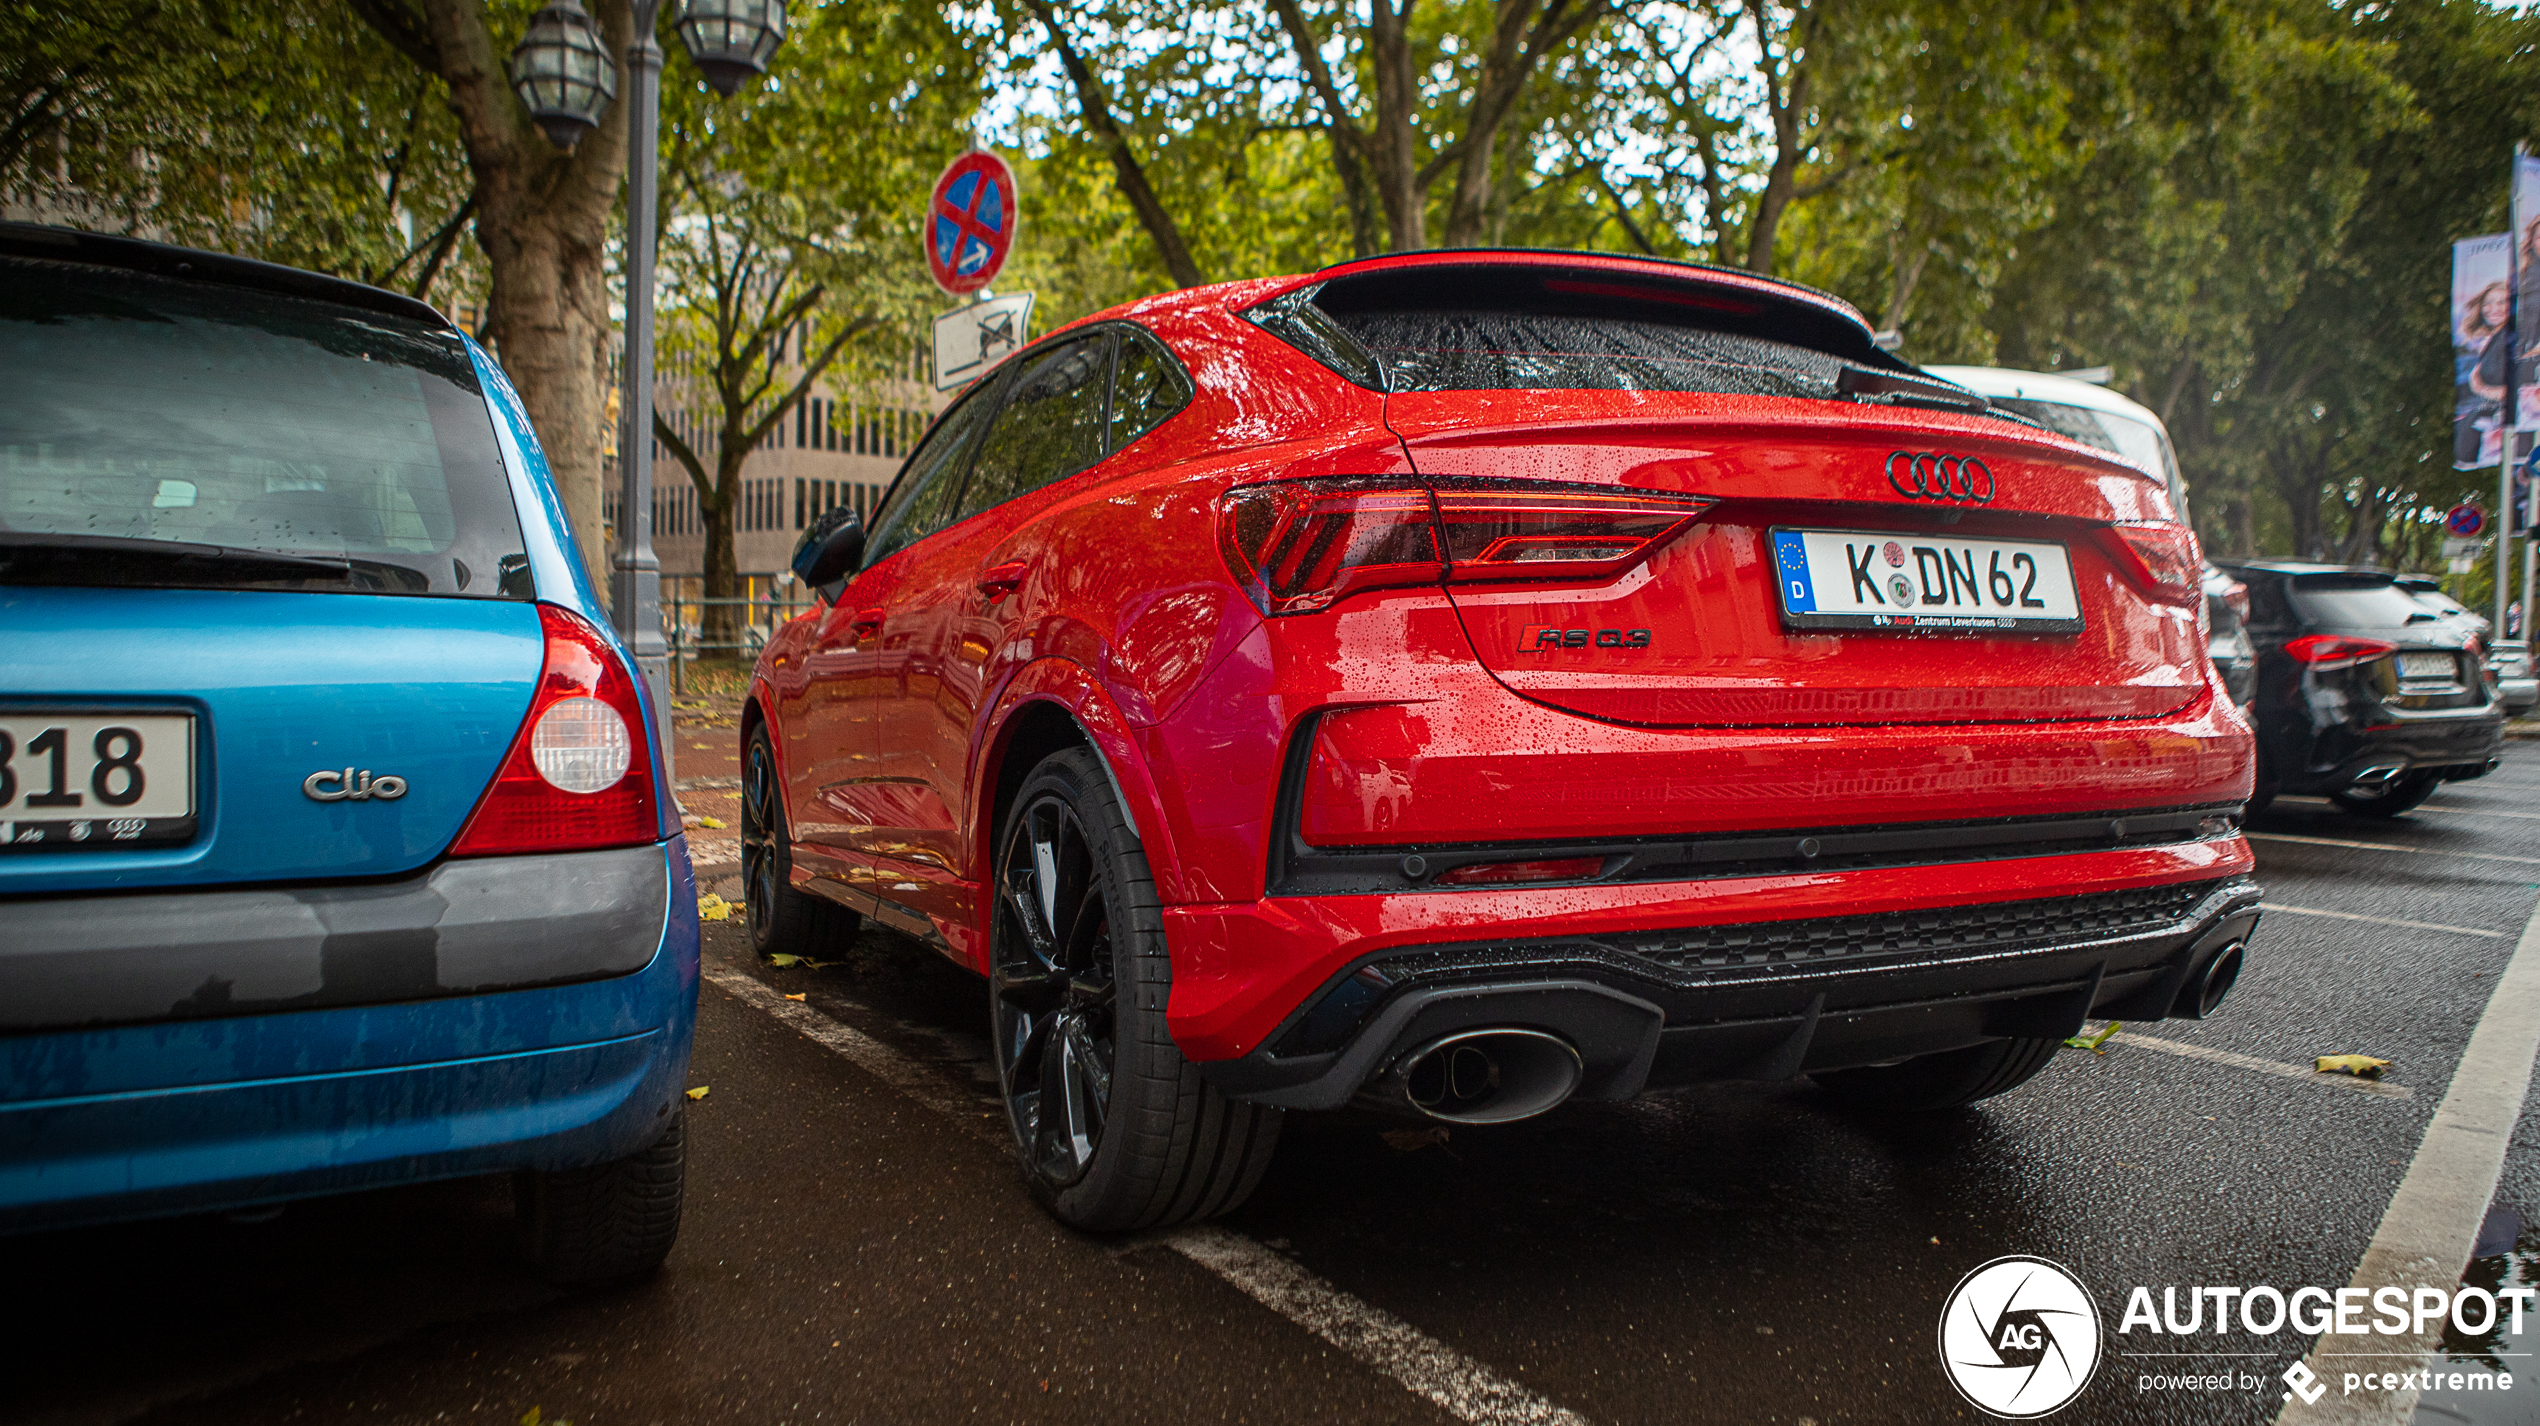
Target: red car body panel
x=1411, y=716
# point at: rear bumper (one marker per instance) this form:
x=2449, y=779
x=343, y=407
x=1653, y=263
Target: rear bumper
x=271, y=1101
x=2451, y=744
x=1762, y=1001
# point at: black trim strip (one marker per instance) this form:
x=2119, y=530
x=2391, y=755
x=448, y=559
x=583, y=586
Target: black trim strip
x=1298, y=868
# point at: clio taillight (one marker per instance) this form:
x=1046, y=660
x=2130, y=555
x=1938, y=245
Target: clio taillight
x=1299, y=545
x=580, y=771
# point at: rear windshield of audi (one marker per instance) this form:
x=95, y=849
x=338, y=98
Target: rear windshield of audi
x=2357, y=601
x=157, y=432
x=1524, y=329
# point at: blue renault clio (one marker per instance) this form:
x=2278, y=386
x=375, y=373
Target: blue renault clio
x=335, y=851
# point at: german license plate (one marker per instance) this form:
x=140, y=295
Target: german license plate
x=95, y=778
x=2428, y=666
x=1863, y=579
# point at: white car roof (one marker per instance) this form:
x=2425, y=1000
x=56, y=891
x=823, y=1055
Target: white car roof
x=2045, y=386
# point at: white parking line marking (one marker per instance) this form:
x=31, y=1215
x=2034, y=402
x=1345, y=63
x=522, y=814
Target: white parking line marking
x=2389, y=921
x=1383, y=1341
x=2432, y=1222
x=2475, y=812
x=2388, y=847
x=859, y=1049
x=2252, y=1062
x=1463, y=1387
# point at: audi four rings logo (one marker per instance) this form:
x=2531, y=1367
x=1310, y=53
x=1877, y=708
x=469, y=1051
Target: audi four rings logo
x=1927, y=475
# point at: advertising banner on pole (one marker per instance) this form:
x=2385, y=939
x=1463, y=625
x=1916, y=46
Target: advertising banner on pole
x=2482, y=345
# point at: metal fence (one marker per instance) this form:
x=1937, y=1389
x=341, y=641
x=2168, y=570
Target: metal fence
x=766, y=602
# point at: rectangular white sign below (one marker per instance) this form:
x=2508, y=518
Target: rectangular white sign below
x=969, y=340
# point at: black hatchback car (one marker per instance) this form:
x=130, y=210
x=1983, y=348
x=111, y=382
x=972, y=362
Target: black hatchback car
x=2364, y=696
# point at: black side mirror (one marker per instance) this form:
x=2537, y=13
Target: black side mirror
x=830, y=550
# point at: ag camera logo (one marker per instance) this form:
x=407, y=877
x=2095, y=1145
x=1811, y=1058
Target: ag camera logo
x=2019, y=1337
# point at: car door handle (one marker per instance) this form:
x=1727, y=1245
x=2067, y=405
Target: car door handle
x=1003, y=580
x=865, y=622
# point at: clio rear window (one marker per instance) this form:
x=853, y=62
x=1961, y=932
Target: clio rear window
x=137, y=410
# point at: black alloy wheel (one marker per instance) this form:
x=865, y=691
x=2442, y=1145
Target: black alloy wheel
x=781, y=920
x=1113, y=1128
x=1054, y=991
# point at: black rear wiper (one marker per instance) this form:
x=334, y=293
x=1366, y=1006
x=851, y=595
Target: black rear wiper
x=20, y=550
x=1896, y=388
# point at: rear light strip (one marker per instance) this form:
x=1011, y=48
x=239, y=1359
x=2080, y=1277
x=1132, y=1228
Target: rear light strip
x=2326, y=652
x=1298, y=546
x=580, y=772
x=2163, y=559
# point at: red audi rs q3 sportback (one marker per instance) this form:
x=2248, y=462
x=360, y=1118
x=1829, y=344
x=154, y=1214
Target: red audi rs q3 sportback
x=1466, y=681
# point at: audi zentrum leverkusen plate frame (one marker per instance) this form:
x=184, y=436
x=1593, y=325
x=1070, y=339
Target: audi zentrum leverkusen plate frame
x=1932, y=584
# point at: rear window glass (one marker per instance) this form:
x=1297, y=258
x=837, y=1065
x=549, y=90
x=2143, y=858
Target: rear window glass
x=2137, y=443
x=1518, y=351
x=137, y=410
x=2346, y=603
x=1525, y=328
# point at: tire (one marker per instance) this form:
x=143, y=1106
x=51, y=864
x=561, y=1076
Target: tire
x=2402, y=796
x=1949, y=1080
x=781, y=920
x=1113, y=1129
x=612, y=1223
x=2262, y=795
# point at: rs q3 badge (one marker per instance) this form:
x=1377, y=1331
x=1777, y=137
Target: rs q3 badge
x=1539, y=638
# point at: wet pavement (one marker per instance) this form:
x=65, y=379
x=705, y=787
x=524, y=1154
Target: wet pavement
x=1740, y=1253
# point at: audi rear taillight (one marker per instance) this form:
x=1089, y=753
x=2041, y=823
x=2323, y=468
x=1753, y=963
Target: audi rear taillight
x=1298, y=546
x=2162, y=559
x=2326, y=652
x=580, y=772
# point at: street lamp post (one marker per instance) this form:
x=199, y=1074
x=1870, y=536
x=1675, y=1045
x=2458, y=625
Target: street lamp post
x=554, y=74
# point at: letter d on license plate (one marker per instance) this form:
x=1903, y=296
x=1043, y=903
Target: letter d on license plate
x=1923, y=583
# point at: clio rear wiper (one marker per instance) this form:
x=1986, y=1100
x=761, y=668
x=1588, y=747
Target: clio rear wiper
x=34, y=557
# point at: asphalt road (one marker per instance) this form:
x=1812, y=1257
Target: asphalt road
x=858, y=1249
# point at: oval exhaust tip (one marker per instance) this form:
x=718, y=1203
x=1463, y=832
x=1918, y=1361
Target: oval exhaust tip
x=2221, y=974
x=1491, y=1076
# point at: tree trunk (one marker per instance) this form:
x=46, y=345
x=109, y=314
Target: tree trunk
x=1127, y=174
x=543, y=222
x=722, y=622
x=1397, y=156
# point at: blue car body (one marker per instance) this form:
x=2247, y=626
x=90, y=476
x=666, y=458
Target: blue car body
x=306, y=996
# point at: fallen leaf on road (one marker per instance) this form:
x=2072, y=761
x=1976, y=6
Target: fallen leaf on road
x=700, y=1091
x=711, y=907
x=2361, y=1066
x=714, y=822
x=782, y=961
x=2096, y=1044
x=1411, y=1141
x=793, y=997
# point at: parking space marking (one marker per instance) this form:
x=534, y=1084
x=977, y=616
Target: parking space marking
x=1383, y=1341
x=2476, y=812
x=1421, y=1363
x=861, y=1050
x=2389, y=847
x=2279, y=1068
x=2432, y=1223
x=2274, y=906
